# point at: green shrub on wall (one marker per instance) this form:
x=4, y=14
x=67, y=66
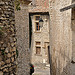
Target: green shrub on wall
x=16, y=53
x=17, y=5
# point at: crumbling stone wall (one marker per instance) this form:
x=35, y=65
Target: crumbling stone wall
x=7, y=38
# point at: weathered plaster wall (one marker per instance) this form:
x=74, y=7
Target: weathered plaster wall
x=22, y=27
x=7, y=39
x=60, y=38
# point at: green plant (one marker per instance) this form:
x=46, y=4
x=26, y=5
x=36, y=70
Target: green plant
x=3, y=52
x=0, y=28
x=17, y=5
x=16, y=53
x=3, y=55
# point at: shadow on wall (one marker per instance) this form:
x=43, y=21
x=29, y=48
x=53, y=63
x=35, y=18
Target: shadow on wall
x=70, y=67
x=61, y=70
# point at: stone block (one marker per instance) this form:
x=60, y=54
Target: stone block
x=14, y=49
x=12, y=44
x=8, y=65
x=5, y=70
x=6, y=6
x=6, y=50
x=0, y=58
x=6, y=3
x=0, y=53
x=2, y=63
x=13, y=53
x=4, y=45
x=1, y=73
x=1, y=3
x=14, y=39
x=15, y=43
x=12, y=59
x=10, y=68
x=8, y=61
x=8, y=55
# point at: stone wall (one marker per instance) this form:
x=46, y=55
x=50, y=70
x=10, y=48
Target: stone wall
x=22, y=27
x=60, y=38
x=7, y=38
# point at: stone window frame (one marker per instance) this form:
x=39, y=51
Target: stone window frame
x=36, y=21
x=37, y=46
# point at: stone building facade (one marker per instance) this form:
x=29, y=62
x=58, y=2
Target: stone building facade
x=40, y=36
x=22, y=28
x=7, y=38
x=62, y=38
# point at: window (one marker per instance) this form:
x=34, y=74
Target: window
x=38, y=50
x=38, y=47
x=37, y=17
x=38, y=43
x=37, y=26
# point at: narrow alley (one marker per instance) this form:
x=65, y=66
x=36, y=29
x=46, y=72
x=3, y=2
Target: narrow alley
x=42, y=71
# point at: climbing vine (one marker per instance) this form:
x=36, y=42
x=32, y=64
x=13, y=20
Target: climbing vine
x=16, y=53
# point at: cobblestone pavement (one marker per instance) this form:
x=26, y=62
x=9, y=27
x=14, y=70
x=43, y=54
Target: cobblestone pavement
x=42, y=71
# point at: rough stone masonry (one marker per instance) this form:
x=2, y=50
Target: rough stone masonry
x=7, y=38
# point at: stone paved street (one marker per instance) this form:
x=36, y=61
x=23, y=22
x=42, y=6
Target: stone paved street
x=42, y=71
